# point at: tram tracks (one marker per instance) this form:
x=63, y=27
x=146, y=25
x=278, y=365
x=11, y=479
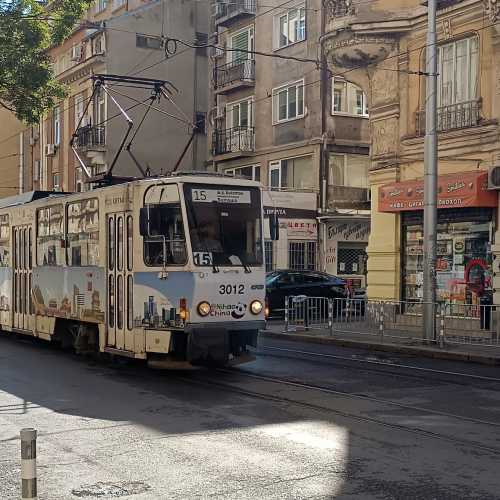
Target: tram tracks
x=270, y=396
x=382, y=367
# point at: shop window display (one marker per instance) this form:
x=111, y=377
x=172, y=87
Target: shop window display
x=463, y=264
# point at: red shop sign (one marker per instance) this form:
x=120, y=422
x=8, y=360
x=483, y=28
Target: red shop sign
x=464, y=189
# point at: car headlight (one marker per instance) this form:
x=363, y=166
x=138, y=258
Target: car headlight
x=256, y=307
x=203, y=308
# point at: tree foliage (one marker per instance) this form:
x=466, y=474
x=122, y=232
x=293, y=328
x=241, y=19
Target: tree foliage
x=27, y=31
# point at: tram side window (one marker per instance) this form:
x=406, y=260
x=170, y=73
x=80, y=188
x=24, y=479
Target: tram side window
x=50, y=251
x=83, y=233
x=4, y=241
x=166, y=241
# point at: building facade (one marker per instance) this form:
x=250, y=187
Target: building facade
x=382, y=46
x=266, y=124
x=123, y=38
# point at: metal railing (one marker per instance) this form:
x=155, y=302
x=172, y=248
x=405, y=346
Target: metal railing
x=455, y=323
x=227, y=9
x=454, y=116
x=234, y=72
x=338, y=8
x=90, y=137
x=233, y=140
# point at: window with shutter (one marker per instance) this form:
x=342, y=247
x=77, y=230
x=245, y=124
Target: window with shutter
x=242, y=41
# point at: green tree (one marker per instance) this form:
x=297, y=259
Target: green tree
x=27, y=30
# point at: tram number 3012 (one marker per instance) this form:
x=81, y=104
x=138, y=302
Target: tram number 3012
x=232, y=289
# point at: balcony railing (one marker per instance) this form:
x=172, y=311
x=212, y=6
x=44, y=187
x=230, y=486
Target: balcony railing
x=233, y=140
x=228, y=10
x=234, y=74
x=338, y=8
x=452, y=117
x=89, y=137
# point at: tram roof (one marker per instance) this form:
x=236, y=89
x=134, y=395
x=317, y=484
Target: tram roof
x=21, y=199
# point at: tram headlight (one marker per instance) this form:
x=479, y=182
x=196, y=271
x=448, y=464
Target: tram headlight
x=256, y=307
x=203, y=308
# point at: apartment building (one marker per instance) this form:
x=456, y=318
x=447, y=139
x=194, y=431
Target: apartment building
x=123, y=38
x=266, y=124
x=10, y=161
x=382, y=44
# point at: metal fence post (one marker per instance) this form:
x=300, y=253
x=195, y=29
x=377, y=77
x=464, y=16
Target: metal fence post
x=306, y=313
x=330, y=316
x=381, y=320
x=286, y=313
x=28, y=464
x=442, y=312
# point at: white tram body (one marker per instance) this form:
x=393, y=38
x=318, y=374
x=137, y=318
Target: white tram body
x=168, y=269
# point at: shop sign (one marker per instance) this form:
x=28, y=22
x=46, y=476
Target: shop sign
x=464, y=189
x=348, y=231
x=302, y=229
x=290, y=204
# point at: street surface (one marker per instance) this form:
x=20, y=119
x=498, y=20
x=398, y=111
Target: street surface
x=345, y=424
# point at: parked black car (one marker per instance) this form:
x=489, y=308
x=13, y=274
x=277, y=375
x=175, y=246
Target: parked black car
x=287, y=283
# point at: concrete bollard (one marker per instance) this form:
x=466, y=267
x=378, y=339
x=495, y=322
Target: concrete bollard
x=28, y=464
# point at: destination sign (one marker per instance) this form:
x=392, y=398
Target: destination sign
x=220, y=196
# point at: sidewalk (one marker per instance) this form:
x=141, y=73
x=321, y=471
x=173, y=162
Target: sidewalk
x=487, y=355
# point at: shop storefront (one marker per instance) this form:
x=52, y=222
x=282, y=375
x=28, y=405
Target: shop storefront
x=297, y=247
x=346, y=242
x=466, y=222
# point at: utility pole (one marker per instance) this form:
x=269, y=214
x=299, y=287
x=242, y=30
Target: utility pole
x=323, y=170
x=430, y=177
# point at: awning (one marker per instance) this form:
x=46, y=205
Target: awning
x=463, y=189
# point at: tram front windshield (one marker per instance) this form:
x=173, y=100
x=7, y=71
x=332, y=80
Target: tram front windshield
x=224, y=225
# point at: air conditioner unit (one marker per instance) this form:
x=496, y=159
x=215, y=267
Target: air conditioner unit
x=494, y=177
x=76, y=52
x=50, y=149
x=36, y=170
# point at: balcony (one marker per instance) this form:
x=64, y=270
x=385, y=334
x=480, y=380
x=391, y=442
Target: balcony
x=348, y=197
x=234, y=75
x=226, y=12
x=233, y=141
x=452, y=117
x=90, y=138
x=338, y=8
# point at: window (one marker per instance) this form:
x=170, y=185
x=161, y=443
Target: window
x=79, y=187
x=458, y=64
x=251, y=172
x=148, y=42
x=79, y=106
x=269, y=252
x=166, y=242
x=119, y=245
x=4, y=241
x=290, y=27
x=101, y=5
x=130, y=244
x=56, y=125
x=83, y=233
x=351, y=258
x=302, y=255
x=240, y=114
x=56, y=186
x=295, y=173
x=50, y=236
x=348, y=98
x=288, y=102
x=98, y=44
x=348, y=170
x=242, y=41
x=111, y=243
x=99, y=107
x=130, y=302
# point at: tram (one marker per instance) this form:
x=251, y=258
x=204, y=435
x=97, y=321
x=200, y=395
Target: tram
x=168, y=269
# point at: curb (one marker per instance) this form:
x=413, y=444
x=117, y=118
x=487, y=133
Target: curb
x=394, y=348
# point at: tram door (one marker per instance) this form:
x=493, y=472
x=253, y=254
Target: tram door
x=22, y=279
x=120, y=280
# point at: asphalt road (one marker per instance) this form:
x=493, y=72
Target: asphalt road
x=326, y=422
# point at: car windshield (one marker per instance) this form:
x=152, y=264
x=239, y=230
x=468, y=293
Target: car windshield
x=224, y=225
